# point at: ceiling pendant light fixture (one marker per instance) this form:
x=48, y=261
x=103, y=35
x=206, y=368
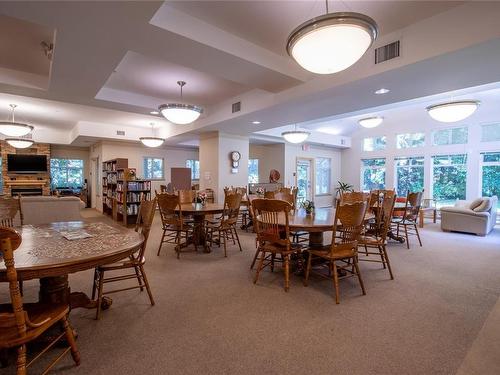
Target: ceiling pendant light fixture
x=13, y=128
x=179, y=113
x=152, y=141
x=371, y=122
x=333, y=42
x=453, y=111
x=20, y=142
x=295, y=136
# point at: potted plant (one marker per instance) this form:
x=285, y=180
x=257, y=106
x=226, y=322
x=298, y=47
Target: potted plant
x=201, y=198
x=308, y=206
x=343, y=187
x=260, y=191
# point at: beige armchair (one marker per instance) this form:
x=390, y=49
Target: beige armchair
x=48, y=209
x=477, y=216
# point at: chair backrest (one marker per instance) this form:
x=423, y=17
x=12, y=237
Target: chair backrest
x=386, y=212
x=145, y=221
x=9, y=207
x=413, y=204
x=271, y=221
x=269, y=194
x=349, y=222
x=210, y=195
x=170, y=209
x=354, y=196
x=232, y=204
x=287, y=197
x=186, y=196
x=10, y=240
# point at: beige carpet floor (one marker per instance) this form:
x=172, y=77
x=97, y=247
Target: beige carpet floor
x=210, y=318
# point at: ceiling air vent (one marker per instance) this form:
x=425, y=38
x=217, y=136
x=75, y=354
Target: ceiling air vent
x=236, y=107
x=120, y=132
x=387, y=52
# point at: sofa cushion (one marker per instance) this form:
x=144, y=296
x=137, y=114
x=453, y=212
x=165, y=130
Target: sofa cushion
x=475, y=203
x=484, y=206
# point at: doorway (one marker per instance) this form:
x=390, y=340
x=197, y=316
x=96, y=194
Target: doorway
x=94, y=181
x=304, y=178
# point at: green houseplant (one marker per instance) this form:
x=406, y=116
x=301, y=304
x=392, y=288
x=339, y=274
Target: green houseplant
x=308, y=206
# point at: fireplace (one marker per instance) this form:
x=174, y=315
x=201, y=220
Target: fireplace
x=15, y=191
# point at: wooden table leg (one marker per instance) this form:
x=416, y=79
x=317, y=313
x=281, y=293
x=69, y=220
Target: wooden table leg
x=316, y=239
x=434, y=215
x=421, y=218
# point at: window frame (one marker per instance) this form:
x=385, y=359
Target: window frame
x=382, y=137
x=482, y=164
x=481, y=138
x=364, y=167
x=250, y=160
x=193, y=171
x=146, y=177
x=450, y=155
x=67, y=169
x=410, y=147
x=433, y=134
x=316, y=174
x=397, y=167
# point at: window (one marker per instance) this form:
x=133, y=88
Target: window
x=323, y=174
x=449, y=177
x=410, y=140
x=372, y=174
x=490, y=175
x=374, y=144
x=453, y=136
x=66, y=173
x=253, y=171
x=153, y=169
x=490, y=132
x=195, y=168
x=409, y=174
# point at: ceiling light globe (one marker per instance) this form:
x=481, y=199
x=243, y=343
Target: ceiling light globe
x=180, y=114
x=15, y=129
x=453, y=111
x=371, y=122
x=295, y=136
x=19, y=142
x=152, y=141
x=333, y=42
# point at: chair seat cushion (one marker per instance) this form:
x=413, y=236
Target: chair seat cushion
x=370, y=240
x=126, y=263
x=326, y=253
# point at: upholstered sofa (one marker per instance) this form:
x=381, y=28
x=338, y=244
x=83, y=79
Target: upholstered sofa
x=478, y=216
x=47, y=209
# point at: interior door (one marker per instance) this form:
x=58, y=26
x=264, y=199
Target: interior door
x=304, y=179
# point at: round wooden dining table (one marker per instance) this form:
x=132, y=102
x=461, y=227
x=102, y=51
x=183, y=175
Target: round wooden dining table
x=50, y=252
x=199, y=211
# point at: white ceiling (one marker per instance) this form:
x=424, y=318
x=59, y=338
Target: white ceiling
x=116, y=61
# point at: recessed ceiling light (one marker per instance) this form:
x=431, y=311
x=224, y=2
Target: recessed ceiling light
x=382, y=91
x=154, y=112
x=371, y=122
x=256, y=122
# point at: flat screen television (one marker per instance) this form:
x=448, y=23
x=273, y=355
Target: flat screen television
x=17, y=163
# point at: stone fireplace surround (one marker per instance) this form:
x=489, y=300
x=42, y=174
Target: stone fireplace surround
x=30, y=183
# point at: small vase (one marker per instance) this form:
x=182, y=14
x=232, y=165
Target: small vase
x=309, y=212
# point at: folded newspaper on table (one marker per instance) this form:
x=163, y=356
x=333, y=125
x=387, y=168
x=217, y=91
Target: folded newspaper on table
x=76, y=235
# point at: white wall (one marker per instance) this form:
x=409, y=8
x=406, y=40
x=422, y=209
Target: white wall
x=421, y=122
x=292, y=152
x=270, y=157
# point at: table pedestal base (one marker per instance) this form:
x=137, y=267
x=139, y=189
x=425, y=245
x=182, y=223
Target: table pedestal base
x=316, y=239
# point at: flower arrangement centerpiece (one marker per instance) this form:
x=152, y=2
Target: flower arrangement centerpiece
x=201, y=198
x=260, y=191
x=308, y=206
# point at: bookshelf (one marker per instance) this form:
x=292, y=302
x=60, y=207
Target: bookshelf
x=122, y=191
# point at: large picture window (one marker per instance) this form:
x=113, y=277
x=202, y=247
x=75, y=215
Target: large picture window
x=372, y=174
x=374, y=144
x=410, y=140
x=195, y=168
x=490, y=175
x=253, y=171
x=323, y=175
x=66, y=173
x=490, y=133
x=153, y=169
x=449, y=178
x=452, y=136
x=409, y=174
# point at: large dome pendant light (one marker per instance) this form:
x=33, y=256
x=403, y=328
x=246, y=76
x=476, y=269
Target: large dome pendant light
x=152, y=141
x=20, y=142
x=13, y=128
x=333, y=42
x=295, y=136
x=179, y=113
x=453, y=111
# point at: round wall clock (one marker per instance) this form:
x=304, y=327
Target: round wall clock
x=235, y=156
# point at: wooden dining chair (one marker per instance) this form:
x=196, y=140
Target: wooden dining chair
x=409, y=220
x=375, y=242
x=342, y=252
x=224, y=229
x=21, y=323
x=175, y=228
x=135, y=262
x=186, y=196
x=271, y=221
x=354, y=196
x=269, y=194
x=10, y=207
